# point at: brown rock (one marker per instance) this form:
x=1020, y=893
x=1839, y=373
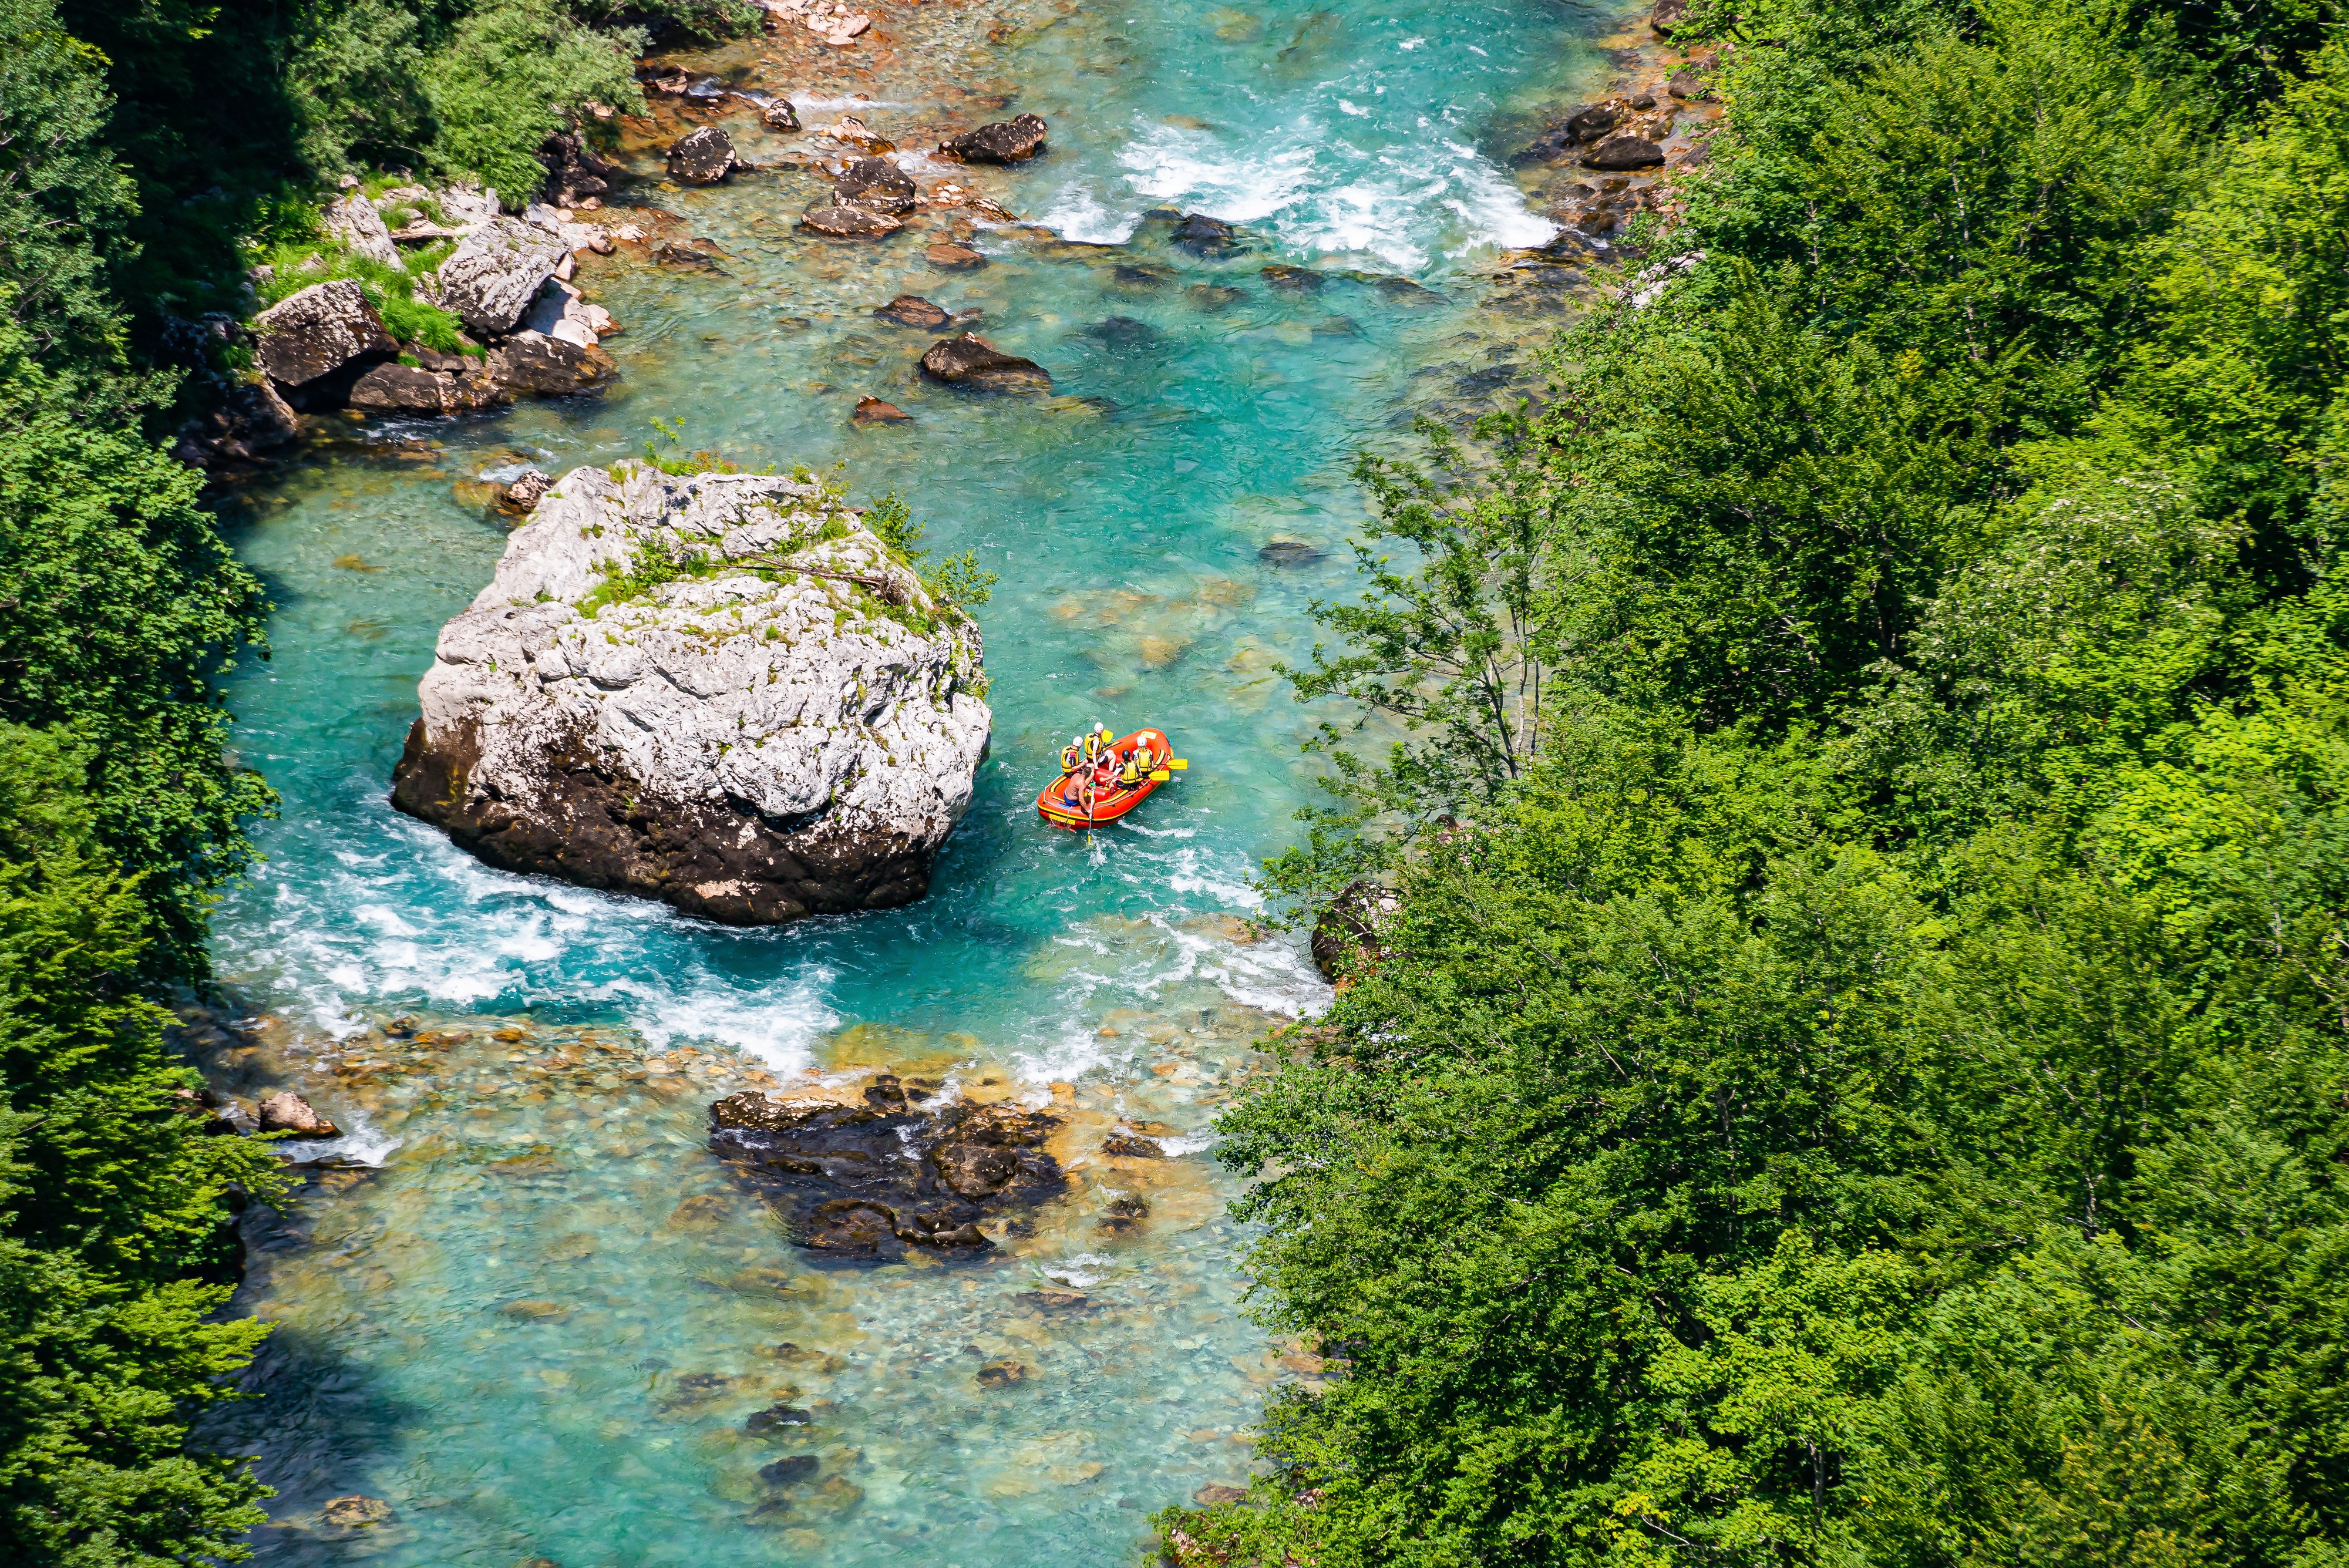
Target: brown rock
x=1620, y=152
x=286, y=1111
x=1130, y=1146
x=912, y=310
x=970, y=360
x=948, y=255
x=779, y=115
x=1006, y=141
x=878, y=184
x=1668, y=15
x=1002, y=1374
x=354, y=1513
x=527, y=490
x=1215, y=1494
x=1688, y=82
x=534, y=1309
x=1202, y=235
x=873, y=411
x=851, y=222
x=401, y=389
x=701, y=157
x=549, y=367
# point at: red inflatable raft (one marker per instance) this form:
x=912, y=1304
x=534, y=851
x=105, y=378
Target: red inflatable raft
x=1075, y=800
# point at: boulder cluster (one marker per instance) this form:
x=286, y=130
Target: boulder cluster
x=871, y=1179
x=527, y=329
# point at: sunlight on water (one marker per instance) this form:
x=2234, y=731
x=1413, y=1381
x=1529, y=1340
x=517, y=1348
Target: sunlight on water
x=537, y=1324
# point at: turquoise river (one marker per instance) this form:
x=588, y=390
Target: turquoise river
x=522, y=1304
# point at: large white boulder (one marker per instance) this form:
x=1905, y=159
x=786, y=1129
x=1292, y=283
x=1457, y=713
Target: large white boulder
x=788, y=725
x=494, y=273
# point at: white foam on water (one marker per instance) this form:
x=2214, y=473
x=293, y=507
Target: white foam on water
x=1076, y=214
x=1321, y=193
x=423, y=921
x=364, y=1145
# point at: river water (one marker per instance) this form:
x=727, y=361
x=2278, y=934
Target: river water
x=530, y=1315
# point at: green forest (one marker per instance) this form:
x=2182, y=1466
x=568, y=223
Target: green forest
x=147, y=152
x=1854, y=1068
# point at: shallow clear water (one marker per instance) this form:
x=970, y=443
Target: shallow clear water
x=1199, y=414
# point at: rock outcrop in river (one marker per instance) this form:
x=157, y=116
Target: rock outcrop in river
x=720, y=690
x=868, y=1179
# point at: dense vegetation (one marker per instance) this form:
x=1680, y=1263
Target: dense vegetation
x=1860, y=1068
x=146, y=148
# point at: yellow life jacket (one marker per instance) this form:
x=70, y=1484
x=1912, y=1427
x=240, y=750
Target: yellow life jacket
x=1070, y=758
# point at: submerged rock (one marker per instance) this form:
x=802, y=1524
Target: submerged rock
x=912, y=310
x=847, y=221
x=1202, y=235
x=954, y=257
x=868, y=1181
x=354, y=1513
x=306, y=338
x=701, y=157
x=971, y=360
x=873, y=411
x=1006, y=141
x=719, y=690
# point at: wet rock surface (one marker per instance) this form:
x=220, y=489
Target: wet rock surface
x=1206, y=236
x=876, y=184
x=868, y=1179
x=912, y=310
x=703, y=156
x=1006, y=141
x=971, y=360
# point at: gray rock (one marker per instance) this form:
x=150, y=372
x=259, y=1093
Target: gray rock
x=356, y=223
x=701, y=157
x=308, y=336
x=779, y=115
x=1006, y=141
x=528, y=489
x=495, y=273
x=1668, y=15
x=750, y=743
